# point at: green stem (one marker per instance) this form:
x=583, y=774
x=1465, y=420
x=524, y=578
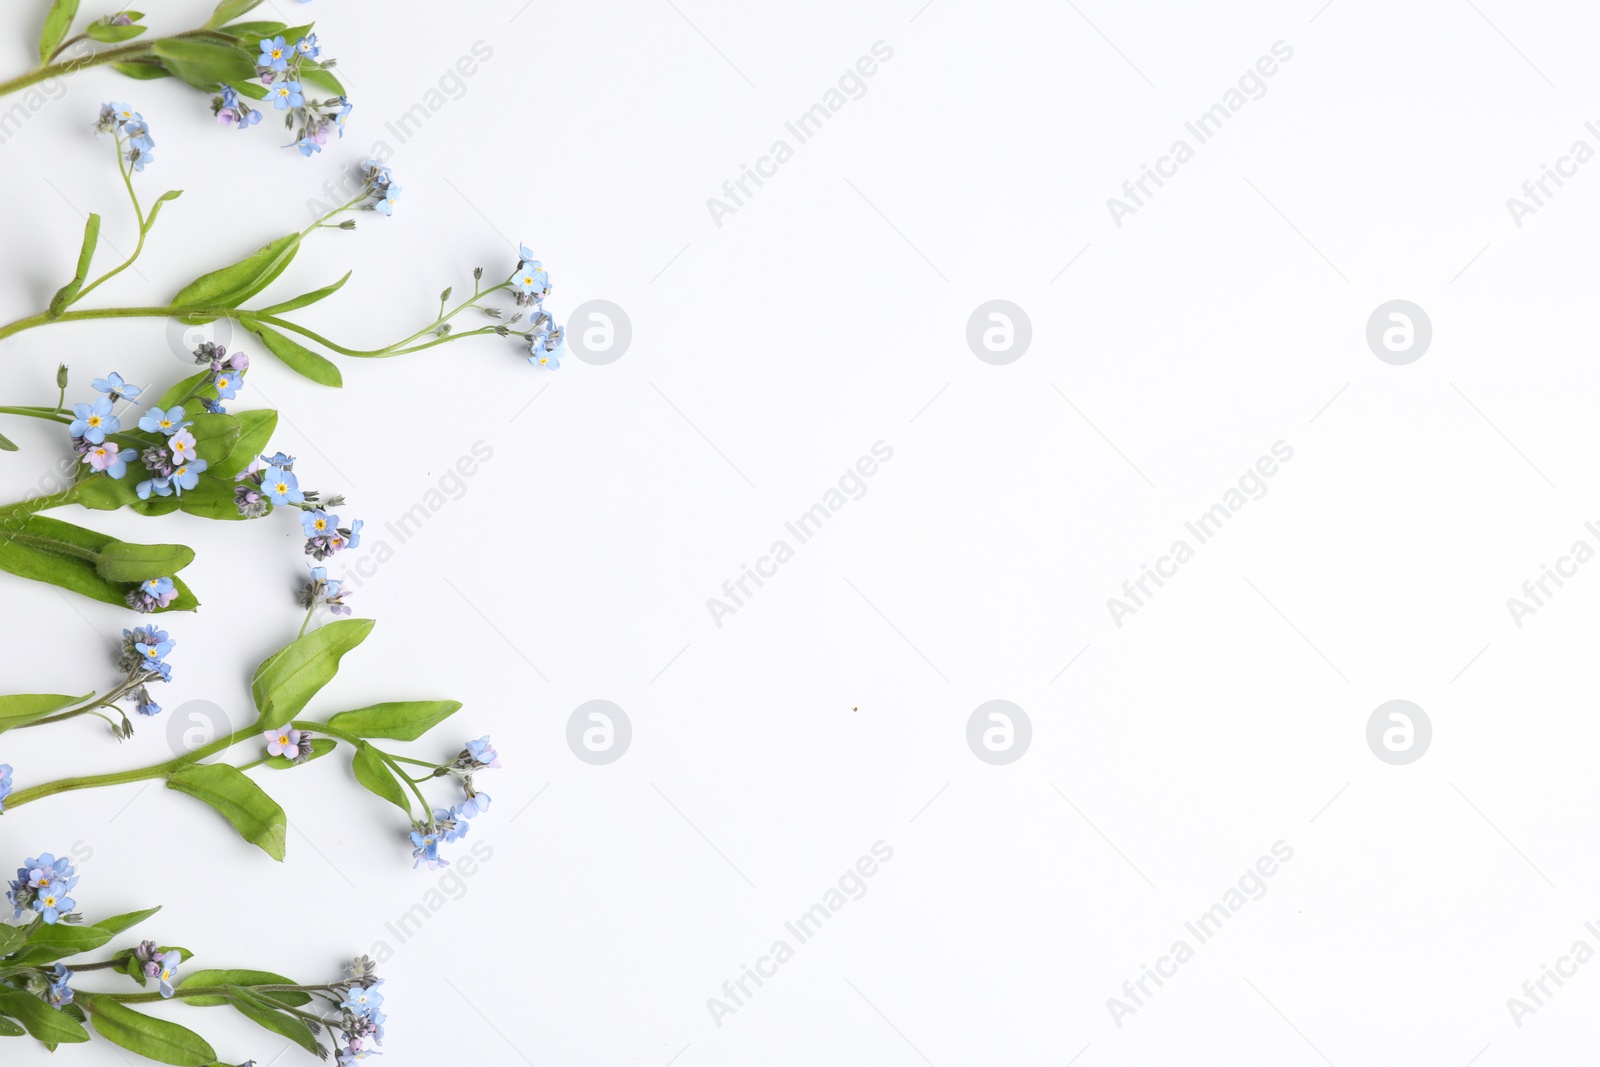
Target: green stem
x=159, y=770
x=144, y=229
x=120, y=54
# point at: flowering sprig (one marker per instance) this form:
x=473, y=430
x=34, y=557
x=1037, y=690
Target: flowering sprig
x=235, y=61
x=283, y=738
x=43, y=972
x=141, y=657
x=183, y=452
x=222, y=293
x=288, y=65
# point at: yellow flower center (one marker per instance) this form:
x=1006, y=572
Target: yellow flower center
x=282, y=487
x=94, y=420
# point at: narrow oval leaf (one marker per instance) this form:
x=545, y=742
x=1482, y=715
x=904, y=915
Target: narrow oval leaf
x=28, y=707
x=155, y=209
x=255, y=429
x=288, y=679
x=118, y=923
x=187, y=388
x=213, y=978
x=232, y=285
x=404, y=720
x=323, y=79
x=252, y=32
x=296, y=356
x=69, y=292
x=379, y=780
x=123, y=561
x=146, y=1035
x=48, y=550
x=204, y=64
x=42, y=1021
x=6, y=444
x=269, y=1016
x=305, y=299
x=107, y=33
x=228, y=10
x=320, y=746
x=46, y=944
x=9, y=1028
x=143, y=70
x=57, y=21
x=255, y=815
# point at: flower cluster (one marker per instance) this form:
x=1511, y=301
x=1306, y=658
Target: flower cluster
x=142, y=656
x=322, y=591
x=379, y=187
x=224, y=374
x=292, y=745
x=448, y=825
x=41, y=886
x=168, y=458
x=547, y=342
x=361, y=1016
x=131, y=131
x=152, y=962
x=281, y=68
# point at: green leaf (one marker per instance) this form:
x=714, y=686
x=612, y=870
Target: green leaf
x=288, y=679
x=101, y=30
x=404, y=720
x=69, y=292
x=255, y=429
x=228, y=10
x=11, y=937
x=296, y=356
x=143, y=70
x=25, y=708
x=253, y=90
x=255, y=815
x=254, y=32
x=269, y=1016
x=6, y=444
x=204, y=64
x=233, y=285
x=9, y=1028
x=211, y=499
x=118, y=923
x=152, y=1038
x=374, y=773
x=155, y=209
x=43, y=1022
x=184, y=388
x=305, y=299
x=322, y=78
x=320, y=746
x=209, y=979
x=57, y=21
x=214, y=435
x=122, y=561
x=48, y=550
x=46, y=944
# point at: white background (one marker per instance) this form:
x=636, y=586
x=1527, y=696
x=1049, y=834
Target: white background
x=768, y=354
